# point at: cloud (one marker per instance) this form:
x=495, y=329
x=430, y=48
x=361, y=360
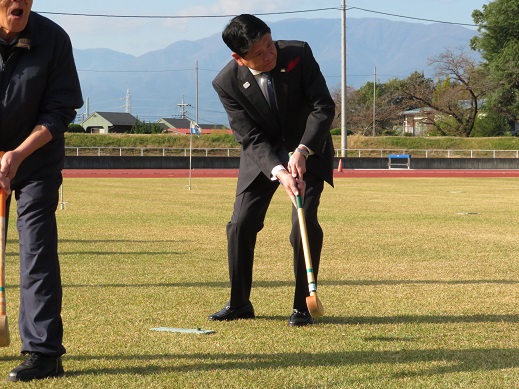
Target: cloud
x=75, y=25
x=236, y=7
x=139, y=35
x=128, y=35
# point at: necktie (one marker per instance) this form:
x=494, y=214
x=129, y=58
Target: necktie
x=271, y=92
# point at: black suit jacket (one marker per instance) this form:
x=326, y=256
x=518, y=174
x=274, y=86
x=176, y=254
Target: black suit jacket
x=306, y=111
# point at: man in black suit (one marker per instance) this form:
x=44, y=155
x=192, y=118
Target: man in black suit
x=293, y=116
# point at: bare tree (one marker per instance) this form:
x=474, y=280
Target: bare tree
x=388, y=105
x=456, y=94
x=337, y=97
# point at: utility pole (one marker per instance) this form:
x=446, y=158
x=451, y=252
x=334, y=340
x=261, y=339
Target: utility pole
x=128, y=105
x=191, y=132
x=374, y=97
x=196, y=92
x=183, y=108
x=344, y=132
x=87, y=108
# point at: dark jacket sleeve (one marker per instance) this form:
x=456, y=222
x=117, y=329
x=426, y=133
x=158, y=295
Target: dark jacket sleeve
x=321, y=107
x=62, y=94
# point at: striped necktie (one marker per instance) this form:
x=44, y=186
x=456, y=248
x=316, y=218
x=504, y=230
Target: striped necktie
x=271, y=92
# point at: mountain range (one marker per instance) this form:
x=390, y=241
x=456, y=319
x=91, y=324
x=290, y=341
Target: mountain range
x=163, y=83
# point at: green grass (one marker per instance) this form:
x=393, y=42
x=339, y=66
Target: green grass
x=419, y=280
x=430, y=142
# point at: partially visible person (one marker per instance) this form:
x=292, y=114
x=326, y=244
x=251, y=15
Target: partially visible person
x=40, y=93
x=277, y=102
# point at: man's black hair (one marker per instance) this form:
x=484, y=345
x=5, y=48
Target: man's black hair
x=242, y=32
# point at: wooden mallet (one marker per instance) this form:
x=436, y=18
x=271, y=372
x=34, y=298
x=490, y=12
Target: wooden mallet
x=4, y=327
x=313, y=303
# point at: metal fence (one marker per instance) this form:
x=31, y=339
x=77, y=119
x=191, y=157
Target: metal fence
x=430, y=153
x=150, y=152
x=235, y=152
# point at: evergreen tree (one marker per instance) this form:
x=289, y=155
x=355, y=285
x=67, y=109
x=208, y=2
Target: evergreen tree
x=498, y=44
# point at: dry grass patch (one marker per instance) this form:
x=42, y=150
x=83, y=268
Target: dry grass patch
x=419, y=280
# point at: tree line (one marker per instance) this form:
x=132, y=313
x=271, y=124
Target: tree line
x=464, y=97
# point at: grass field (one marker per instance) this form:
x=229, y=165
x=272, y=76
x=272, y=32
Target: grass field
x=419, y=279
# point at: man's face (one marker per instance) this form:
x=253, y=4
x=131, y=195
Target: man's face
x=262, y=55
x=14, y=15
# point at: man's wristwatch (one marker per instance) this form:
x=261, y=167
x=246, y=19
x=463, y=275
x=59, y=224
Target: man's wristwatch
x=305, y=153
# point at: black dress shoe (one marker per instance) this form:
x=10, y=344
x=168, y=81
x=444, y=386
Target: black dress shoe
x=37, y=366
x=300, y=318
x=232, y=313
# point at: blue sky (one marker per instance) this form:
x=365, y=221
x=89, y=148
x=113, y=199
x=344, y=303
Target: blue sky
x=140, y=35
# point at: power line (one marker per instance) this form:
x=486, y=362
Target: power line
x=181, y=16
x=134, y=71
x=412, y=18
x=258, y=14
x=143, y=71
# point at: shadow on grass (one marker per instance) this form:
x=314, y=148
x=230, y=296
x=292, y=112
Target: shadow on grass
x=444, y=361
x=125, y=241
x=427, y=319
x=290, y=283
x=417, y=282
x=405, y=319
x=124, y=254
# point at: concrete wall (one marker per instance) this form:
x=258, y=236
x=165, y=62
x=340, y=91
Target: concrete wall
x=72, y=162
x=433, y=163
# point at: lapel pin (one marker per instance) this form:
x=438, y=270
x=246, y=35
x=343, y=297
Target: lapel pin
x=283, y=70
x=246, y=85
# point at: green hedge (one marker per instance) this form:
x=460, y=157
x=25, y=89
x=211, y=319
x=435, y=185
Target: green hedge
x=225, y=140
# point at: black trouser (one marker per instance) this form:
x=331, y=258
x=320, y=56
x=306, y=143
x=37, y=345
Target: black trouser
x=247, y=220
x=39, y=321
